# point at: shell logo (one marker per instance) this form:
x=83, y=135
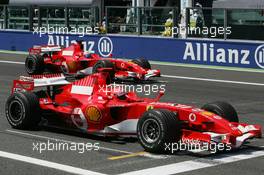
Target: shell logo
x=93, y=114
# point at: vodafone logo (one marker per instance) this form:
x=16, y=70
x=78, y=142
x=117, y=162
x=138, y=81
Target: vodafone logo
x=192, y=117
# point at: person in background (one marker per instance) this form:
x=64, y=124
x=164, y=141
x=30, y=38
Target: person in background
x=196, y=21
x=168, y=25
x=102, y=26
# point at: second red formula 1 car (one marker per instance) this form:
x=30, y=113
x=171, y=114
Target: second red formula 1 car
x=93, y=106
x=73, y=59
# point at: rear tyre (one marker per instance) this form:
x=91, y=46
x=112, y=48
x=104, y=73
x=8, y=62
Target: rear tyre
x=158, y=128
x=222, y=109
x=105, y=64
x=34, y=64
x=22, y=110
x=142, y=63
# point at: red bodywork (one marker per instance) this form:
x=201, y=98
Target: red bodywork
x=94, y=107
x=74, y=59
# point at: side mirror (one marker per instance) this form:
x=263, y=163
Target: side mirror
x=161, y=93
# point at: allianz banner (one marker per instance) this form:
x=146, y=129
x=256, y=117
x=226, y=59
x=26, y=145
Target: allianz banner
x=204, y=52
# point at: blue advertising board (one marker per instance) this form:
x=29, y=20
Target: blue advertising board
x=205, y=52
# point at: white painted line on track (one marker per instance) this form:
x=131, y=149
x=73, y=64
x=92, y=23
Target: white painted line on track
x=14, y=52
x=197, y=164
x=100, y=147
x=45, y=163
x=11, y=62
x=162, y=63
x=213, y=80
x=181, y=77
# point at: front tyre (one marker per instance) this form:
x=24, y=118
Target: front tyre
x=223, y=109
x=34, y=64
x=157, y=128
x=22, y=110
x=142, y=63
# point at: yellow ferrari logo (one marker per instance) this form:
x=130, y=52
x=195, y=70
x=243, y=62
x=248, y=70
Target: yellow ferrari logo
x=207, y=113
x=93, y=114
x=149, y=107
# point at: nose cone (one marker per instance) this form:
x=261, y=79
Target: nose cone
x=223, y=126
x=235, y=131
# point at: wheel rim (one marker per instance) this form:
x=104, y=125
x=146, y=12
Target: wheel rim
x=15, y=111
x=151, y=130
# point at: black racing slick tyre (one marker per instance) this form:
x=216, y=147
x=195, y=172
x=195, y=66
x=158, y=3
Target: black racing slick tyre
x=222, y=109
x=34, y=64
x=105, y=64
x=158, y=128
x=22, y=110
x=142, y=63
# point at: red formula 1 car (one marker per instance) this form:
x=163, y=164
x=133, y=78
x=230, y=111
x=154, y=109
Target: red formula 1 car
x=89, y=104
x=73, y=59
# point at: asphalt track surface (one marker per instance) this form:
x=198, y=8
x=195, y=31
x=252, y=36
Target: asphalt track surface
x=194, y=86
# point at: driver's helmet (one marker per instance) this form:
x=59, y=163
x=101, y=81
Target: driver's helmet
x=87, y=55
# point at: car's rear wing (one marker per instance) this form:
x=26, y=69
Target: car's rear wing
x=28, y=83
x=36, y=50
x=85, y=85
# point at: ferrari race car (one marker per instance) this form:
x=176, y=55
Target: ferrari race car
x=71, y=60
x=95, y=107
